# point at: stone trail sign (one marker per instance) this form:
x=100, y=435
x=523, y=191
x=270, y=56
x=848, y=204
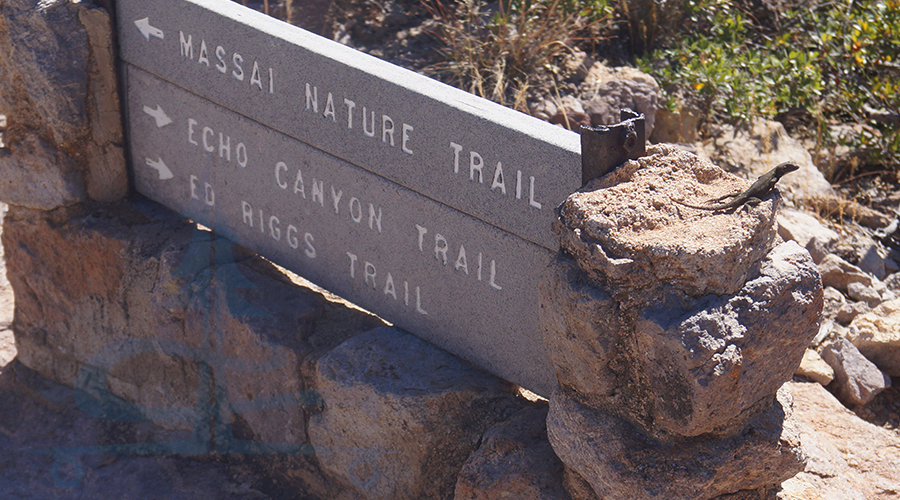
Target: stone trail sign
x=418, y=201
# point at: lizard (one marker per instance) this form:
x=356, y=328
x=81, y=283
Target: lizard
x=754, y=194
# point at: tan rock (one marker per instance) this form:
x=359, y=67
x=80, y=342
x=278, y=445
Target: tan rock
x=814, y=368
x=626, y=227
x=761, y=145
x=849, y=458
x=60, y=90
x=877, y=336
x=622, y=462
x=401, y=416
x=515, y=460
x=803, y=227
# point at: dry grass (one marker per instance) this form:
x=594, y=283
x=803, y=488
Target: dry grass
x=500, y=54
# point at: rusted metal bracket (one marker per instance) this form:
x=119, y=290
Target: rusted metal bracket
x=605, y=147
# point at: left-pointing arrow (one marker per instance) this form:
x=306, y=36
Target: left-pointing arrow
x=159, y=166
x=162, y=119
x=147, y=30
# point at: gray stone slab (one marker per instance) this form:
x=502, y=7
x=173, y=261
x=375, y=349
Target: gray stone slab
x=448, y=277
x=493, y=163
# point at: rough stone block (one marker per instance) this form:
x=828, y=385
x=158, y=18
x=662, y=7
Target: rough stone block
x=625, y=229
x=704, y=369
x=580, y=323
x=60, y=89
x=620, y=461
x=515, y=460
x=37, y=175
x=718, y=364
x=137, y=303
x=401, y=416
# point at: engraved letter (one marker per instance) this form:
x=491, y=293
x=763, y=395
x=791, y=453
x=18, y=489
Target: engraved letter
x=389, y=286
x=355, y=210
x=278, y=168
x=187, y=46
x=352, y=263
x=247, y=213
x=210, y=195
x=319, y=192
x=238, y=72
x=203, y=58
x=274, y=228
x=374, y=218
x=518, y=184
x=206, y=145
x=336, y=198
x=350, y=105
x=406, y=130
x=241, y=154
x=494, y=275
x=476, y=163
x=329, y=108
x=310, y=249
x=369, y=272
x=254, y=76
x=191, y=123
x=298, y=184
x=440, y=248
x=387, y=128
x=461, y=260
x=498, y=179
x=271, y=81
x=194, y=180
x=419, y=302
x=456, y=149
x=422, y=232
x=220, y=55
x=225, y=146
x=292, y=240
x=312, y=98
x=365, y=129
x=531, y=196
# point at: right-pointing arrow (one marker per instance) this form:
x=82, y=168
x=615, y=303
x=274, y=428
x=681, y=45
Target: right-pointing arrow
x=147, y=30
x=159, y=166
x=162, y=119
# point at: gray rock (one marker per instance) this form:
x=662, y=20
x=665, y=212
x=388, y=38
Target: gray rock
x=60, y=89
x=856, y=379
x=715, y=366
x=401, y=416
x=621, y=462
x=515, y=460
x=872, y=259
x=838, y=273
x=816, y=249
x=607, y=91
x=863, y=293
